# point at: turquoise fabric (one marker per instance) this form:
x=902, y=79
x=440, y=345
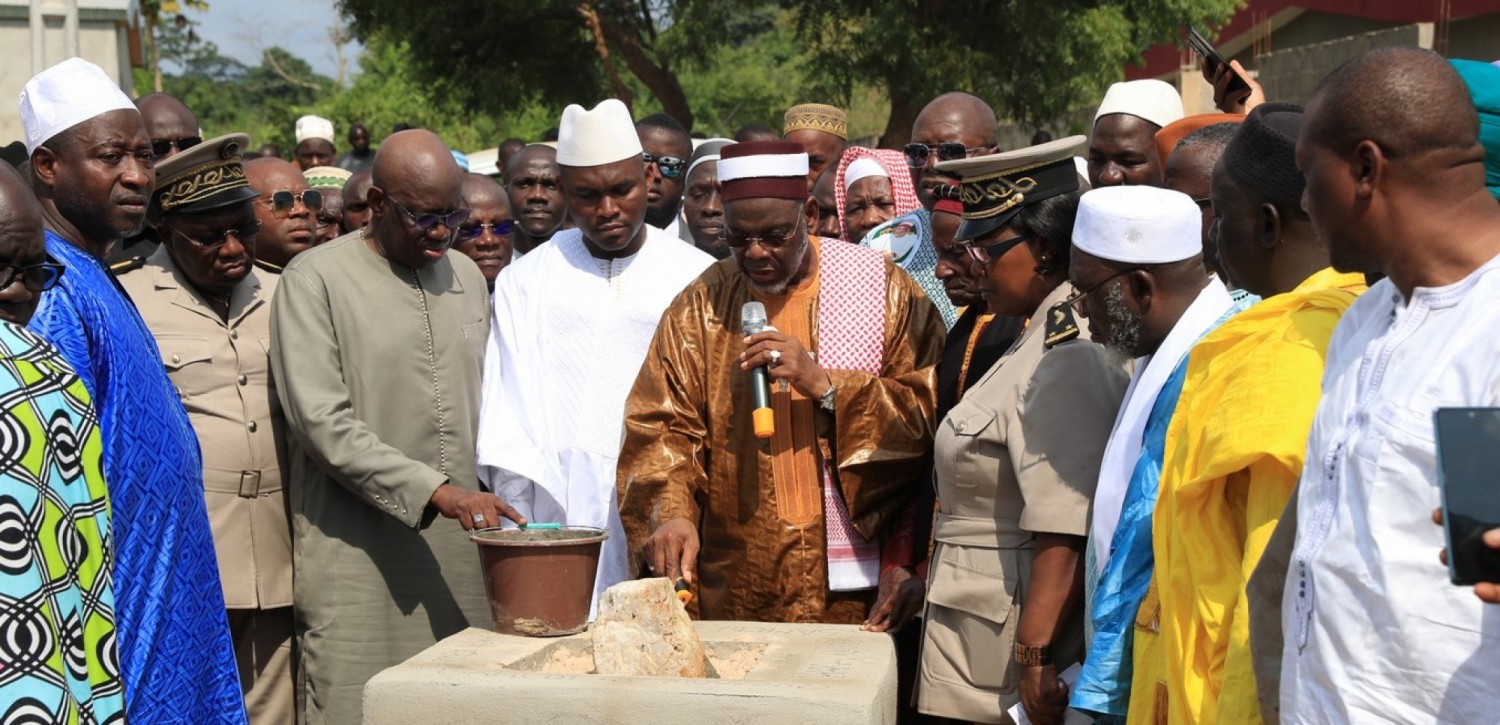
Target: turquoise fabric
x=1483, y=80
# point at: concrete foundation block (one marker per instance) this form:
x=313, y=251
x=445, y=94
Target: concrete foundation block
x=770, y=673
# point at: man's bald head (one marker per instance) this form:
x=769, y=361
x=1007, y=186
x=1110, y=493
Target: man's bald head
x=1390, y=152
x=1408, y=100
x=964, y=113
x=21, y=242
x=413, y=159
x=952, y=118
x=414, y=179
x=167, y=117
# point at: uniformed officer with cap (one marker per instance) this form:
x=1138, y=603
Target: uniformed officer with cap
x=1017, y=458
x=208, y=307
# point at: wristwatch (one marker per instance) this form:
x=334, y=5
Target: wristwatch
x=1033, y=656
x=826, y=402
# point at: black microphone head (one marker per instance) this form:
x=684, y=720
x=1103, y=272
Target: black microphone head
x=753, y=317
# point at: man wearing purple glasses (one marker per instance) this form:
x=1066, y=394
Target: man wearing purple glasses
x=376, y=343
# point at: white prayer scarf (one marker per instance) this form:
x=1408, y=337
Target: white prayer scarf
x=1125, y=441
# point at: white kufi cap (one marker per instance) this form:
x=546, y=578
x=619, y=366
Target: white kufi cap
x=310, y=127
x=863, y=167
x=1156, y=101
x=594, y=138
x=1138, y=225
x=64, y=96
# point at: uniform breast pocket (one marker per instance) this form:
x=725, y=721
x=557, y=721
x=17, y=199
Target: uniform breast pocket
x=968, y=445
x=189, y=363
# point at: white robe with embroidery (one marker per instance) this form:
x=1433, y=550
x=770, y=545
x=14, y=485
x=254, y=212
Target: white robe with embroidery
x=569, y=335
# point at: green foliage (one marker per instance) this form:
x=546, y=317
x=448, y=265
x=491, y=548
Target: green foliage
x=1034, y=61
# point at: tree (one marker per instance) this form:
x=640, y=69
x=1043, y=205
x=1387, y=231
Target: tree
x=1034, y=61
x=156, y=12
x=554, y=52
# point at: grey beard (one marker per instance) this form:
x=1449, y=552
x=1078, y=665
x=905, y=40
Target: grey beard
x=780, y=288
x=1124, y=337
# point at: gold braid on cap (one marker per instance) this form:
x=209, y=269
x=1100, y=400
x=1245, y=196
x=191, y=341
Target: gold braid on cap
x=999, y=186
x=816, y=117
x=196, y=184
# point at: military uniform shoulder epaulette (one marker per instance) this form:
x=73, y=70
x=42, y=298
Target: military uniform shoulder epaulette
x=267, y=267
x=129, y=265
x=1061, y=327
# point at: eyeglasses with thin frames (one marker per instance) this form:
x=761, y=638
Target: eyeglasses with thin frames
x=283, y=202
x=738, y=241
x=1075, y=300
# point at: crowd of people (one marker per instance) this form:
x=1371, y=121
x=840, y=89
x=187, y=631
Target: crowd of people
x=1133, y=427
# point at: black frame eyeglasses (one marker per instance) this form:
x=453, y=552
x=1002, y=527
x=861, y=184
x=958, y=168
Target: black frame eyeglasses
x=425, y=223
x=283, y=202
x=37, y=278
x=500, y=229
x=163, y=146
x=670, y=166
x=919, y=155
x=1076, y=299
x=244, y=233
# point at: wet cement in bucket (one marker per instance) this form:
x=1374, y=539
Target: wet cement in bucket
x=533, y=536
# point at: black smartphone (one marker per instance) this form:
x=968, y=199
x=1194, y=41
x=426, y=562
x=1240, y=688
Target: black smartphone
x=1213, y=60
x=1468, y=457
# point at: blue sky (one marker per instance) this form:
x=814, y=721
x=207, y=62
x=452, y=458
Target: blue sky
x=243, y=28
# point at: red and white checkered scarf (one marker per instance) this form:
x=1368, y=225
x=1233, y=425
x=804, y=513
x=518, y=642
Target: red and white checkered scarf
x=851, y=336
x=895, y=167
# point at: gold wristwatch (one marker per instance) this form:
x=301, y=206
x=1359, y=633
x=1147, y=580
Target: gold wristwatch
x=1033, y=656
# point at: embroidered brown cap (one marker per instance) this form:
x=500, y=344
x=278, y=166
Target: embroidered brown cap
x=816, y=117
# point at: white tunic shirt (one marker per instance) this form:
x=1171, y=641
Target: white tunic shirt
x=569, y=335
x=1374, y=630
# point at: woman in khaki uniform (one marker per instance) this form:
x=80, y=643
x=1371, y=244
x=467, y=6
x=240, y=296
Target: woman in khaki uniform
x=1017, y=458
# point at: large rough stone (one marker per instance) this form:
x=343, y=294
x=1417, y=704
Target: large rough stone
x=642, y=630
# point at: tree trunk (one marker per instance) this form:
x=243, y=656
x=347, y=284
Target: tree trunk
x=617, y=86
x=155, y=52
x=903, y=114
x=660, y=79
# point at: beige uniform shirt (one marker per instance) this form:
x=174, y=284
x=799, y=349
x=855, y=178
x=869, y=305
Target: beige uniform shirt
x=222, y=374
x=1018, y=455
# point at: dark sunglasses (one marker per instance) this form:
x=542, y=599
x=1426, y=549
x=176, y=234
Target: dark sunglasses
x=283, y=202
x=475, y=231
x=425, y=223
x=989, y=252
x=670, y=166
x=217, y=239
x=163, y=146
x=38, y=277
x=918, y=155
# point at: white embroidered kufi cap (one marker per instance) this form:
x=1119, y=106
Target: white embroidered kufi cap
x=598, y=137
x=1138, y=225
x=64, y=96
x=309, y=127
x=1154, y=100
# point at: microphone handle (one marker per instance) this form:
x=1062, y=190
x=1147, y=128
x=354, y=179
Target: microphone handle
x=763, y=420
